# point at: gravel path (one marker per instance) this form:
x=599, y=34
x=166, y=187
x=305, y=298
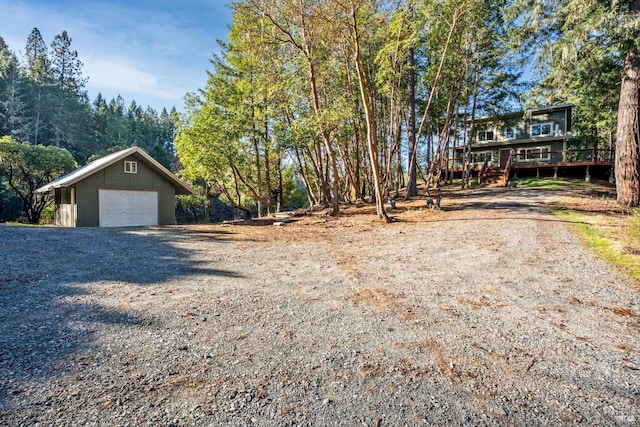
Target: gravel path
x=488, y=312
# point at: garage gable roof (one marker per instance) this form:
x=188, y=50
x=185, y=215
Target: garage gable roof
x=106, y=161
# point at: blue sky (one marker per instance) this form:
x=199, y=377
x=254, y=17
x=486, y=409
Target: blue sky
x=150, y=51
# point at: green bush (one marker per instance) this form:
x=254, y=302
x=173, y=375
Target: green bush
x=48, y=215
x=10, y=204
x=295, y=193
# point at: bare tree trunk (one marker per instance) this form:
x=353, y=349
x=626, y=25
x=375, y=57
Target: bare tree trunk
x=435, y=171
x=238, y=177
x=316, y=164
x=628, y=134
x=256, y=150
x=333, y=163
x=267, y=179
x=368, y=102
x=399, y=178
x=452, y=27
x=412, y=186
x=351, y=174
x=469, y=138
x=36, y=130
x=358, y=143
x=303, y=174
x=280, y=189
x=207, y=206
x=235, y=201
x=390, y=147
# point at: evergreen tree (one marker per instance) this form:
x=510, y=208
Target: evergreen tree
x=582, y=45
x=39, y=94
x=70, y=116
x=12, y=106
x=100, y=122
x=45, y=103
x=35, y=51
x=13, y=120
x=66, y=68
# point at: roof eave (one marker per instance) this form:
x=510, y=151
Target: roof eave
x=86, y=171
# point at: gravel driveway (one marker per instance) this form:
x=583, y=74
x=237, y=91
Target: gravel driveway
x=487, y=312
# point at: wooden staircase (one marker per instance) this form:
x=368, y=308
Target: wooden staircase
x=491, y=177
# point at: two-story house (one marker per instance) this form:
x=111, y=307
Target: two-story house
x=532, y=142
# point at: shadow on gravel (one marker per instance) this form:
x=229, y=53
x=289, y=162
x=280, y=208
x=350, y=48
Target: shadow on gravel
x=45, y=316
x=259, y=222
x=509, y=200
x=502, y=199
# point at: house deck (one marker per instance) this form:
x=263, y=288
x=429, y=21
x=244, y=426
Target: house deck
x=574, y=163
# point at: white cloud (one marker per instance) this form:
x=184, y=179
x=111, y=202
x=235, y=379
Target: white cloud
x=152, y=52
x=116, y=74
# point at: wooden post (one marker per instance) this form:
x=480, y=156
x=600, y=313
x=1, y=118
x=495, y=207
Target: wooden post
x=587, y=177
x=555, y=172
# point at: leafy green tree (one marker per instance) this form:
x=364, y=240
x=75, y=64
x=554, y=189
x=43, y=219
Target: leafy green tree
x=355, y=17
x=294, y=189
x=397, y=78
x=239, y=125
x=27, y=167
x=325, y=84
x=266, y=89
x=307, y=29
x=7, y=58
x=117, y=129
x=208, y=139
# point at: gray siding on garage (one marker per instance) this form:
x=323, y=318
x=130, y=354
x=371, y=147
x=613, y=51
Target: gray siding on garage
x=114, y=178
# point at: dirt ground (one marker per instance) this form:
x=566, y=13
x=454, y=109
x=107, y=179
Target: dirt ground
x=487, y=312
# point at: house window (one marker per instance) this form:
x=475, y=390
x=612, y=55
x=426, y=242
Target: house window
x=542, y=129
x=510, y=133
x=130, y=167
x=481, y=156
x=535, y=154
x=485, y=135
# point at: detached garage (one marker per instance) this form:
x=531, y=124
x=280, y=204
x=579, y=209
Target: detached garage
x=123, y=189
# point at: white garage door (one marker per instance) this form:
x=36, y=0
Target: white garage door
x=123, y=208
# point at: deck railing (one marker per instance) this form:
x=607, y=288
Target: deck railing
x=551, y=157
x=585, y=155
